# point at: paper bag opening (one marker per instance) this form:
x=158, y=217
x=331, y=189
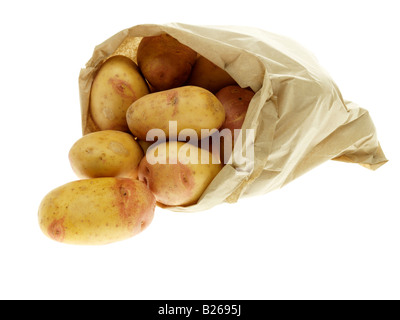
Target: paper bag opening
x=298, y=115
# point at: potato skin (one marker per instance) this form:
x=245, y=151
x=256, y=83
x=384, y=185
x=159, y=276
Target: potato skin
x=145, y=145
x=108, y=153
x=236, y=101
x=190, y=106
x=115, y=87
x=176, y=183
x=164, y=61
x=209, y=76
x=96, y=211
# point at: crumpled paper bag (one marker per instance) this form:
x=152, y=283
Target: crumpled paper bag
x=299, y=117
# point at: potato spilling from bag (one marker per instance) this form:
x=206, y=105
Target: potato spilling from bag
x=107, y=153
x=116, y=86
x=144, y=147
x=165, y=62
x=96, y=211
x=163, y=119
x=177, y=173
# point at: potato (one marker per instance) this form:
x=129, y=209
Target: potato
x=108, y=153
x=191, y=107
x=164, y=61
x=216, y=144
x=145, y=145
x=116, y=86
x=209, y=76
x=96, y=211
x=236, y=101
x=177, y=173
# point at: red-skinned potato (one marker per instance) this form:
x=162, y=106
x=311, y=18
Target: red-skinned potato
x=236, y=101
x=209, y=76
x=165, y=62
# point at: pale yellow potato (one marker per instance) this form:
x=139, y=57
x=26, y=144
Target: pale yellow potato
x=108, y=153
x=191, y=107
x=182, y=178
x=116, y=86
x=96, y=211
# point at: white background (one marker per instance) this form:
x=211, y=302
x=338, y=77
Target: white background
x=333, y=233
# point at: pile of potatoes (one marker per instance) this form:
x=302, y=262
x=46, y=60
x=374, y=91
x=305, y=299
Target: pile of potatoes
x=119, y=183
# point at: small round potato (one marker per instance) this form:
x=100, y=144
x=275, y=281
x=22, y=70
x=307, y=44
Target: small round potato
x=209, y=76
x=96, y=211
x=177, y=173
x=116, y=86
x=236, y=101
x=164, y=61
x=107, y=153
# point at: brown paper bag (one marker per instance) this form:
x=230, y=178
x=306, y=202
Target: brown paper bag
x=298, y=115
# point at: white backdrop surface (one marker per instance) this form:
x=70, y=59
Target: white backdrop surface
x=331, y=234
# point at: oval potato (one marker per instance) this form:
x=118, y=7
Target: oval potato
x=164, y=61
x=116, y=86
x=236, y=101
x=209, y=76
x=191, y=107
x=96, y=211
x=107, y=153
x=177, y=173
